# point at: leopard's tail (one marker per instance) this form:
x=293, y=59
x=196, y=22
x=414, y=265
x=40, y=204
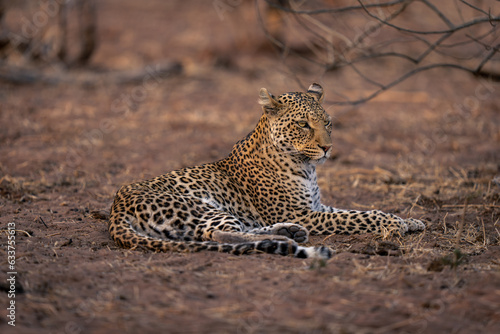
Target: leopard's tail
x=124, y=235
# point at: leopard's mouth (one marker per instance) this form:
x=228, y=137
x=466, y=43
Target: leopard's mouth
x=305, y=153
x=312, y=155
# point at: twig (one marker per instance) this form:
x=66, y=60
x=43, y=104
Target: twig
x=40, y=220
x=473, y=39
x=438, y=12
x=461, y=224
x=281, y=46
x=22, y=231
x=373, y=82
x=484, y=232
x=63, y=26
x=414, y=204
x=19, y=75
x=444, y=223
x=375, y=28
x=403, y=78
x=433, y=46
x=339, y=56
x=88, y=30
x=335, y=10
x=432, y=32
x=471, y=205
x=488, y=57
x=474, y=7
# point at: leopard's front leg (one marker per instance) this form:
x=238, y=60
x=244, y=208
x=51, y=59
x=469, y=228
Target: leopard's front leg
x=335, y=221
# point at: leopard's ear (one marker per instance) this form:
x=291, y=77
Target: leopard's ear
x=317, y=92
x=269, y=104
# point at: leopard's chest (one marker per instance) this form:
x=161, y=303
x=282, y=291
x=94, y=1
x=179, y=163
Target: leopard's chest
x=280, y=197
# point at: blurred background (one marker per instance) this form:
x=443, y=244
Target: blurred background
x=436, y=61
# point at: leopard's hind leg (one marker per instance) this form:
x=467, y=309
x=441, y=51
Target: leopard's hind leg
x=291, y=231
x=223, y=227
x=167, y=221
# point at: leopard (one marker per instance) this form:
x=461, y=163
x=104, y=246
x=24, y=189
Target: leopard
x=262, y=198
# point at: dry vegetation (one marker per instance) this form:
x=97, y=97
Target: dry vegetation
x=428, y=149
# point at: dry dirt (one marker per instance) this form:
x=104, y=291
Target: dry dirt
x=429, y=149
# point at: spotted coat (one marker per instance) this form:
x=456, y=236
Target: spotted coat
x=263, y=197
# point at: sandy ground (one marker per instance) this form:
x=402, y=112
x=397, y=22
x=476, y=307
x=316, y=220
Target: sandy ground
x=429, y=149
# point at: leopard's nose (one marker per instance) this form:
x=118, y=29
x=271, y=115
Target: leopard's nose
x=326, y=148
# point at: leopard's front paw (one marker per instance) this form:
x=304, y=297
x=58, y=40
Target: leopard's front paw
x=387, y=223
x=414, y=224
x=392, y=223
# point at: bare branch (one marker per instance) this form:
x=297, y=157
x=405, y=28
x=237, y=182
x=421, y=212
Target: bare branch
x=381, y=37
x=280, y=45
x=63, y=26
x=88, y=30
x=373, y=82
x=18, y=75
x=438, y=12
x=336, y=10
x=474, y=7
x=471, y=39
x=433, y=32
x=487, y=58
x=413, y=72
x=380, y=24
x=433, y=46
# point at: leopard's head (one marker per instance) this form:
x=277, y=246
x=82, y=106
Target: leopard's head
x=298, y=123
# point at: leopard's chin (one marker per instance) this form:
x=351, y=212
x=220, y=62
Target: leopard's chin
x=313, y=160
x=318, y=161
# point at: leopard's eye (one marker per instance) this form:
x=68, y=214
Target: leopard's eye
x=303, y=124
x=328, y=122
